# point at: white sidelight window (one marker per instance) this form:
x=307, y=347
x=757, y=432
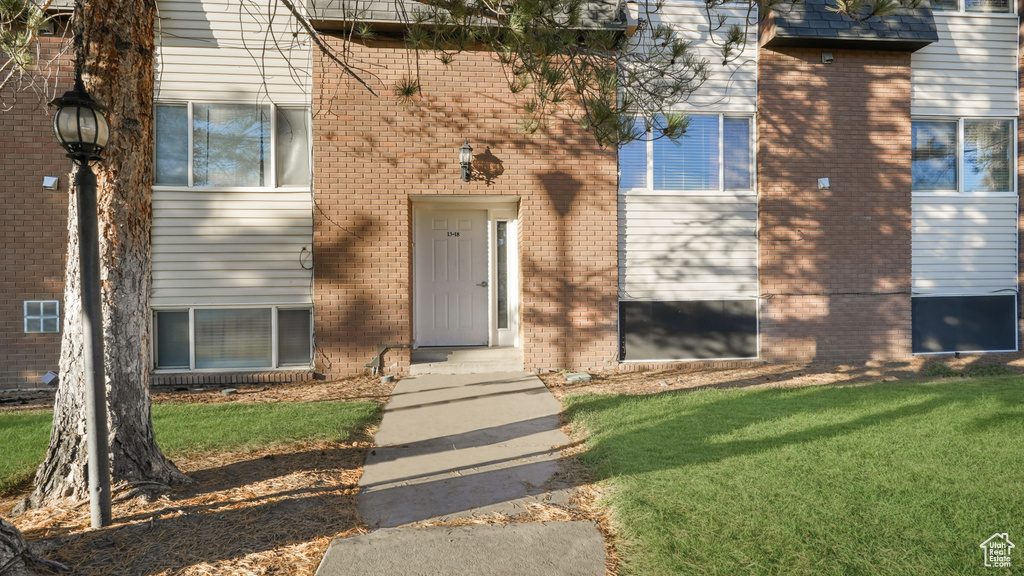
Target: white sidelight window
x=973, y=155
x=715, y=154
x=232, y=145
x=233, y=338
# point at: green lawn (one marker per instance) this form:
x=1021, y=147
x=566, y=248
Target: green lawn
x=183, y=429
x=880, y=479
x=23, y=439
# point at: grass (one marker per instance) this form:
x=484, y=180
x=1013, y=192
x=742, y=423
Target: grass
x=188, y=428
x=23, y=436
x=185, y=429
x=886, y=478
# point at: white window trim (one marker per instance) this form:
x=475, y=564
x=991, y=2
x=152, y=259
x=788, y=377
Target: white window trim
x=961, y=10
x=42, y=316
x=961, y=167
x=272, y=173
x=275, y=360
x=649, y=189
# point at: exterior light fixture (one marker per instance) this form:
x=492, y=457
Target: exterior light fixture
x=79, y=123
x=83, y=132
x=466, y=159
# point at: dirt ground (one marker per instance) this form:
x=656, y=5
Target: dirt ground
x=761, y=374
x=358, y=388
x=295, y=499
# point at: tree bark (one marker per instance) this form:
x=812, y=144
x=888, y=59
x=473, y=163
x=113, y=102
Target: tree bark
x=12, y=550
x=114, y=43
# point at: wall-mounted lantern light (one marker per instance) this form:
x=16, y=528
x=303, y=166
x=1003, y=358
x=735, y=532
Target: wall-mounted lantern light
x=466, y=159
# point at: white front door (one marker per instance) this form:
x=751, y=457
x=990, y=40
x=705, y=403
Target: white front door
x=451, y=293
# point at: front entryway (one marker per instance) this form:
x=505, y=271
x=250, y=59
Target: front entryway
x=465, y=272
x=451, y=278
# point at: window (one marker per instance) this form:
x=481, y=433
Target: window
x=502, y=268
x=42, y=316
x=232, y=145
x=973, y=5
x=969, y=155
x=714, y=154
x=233, y=338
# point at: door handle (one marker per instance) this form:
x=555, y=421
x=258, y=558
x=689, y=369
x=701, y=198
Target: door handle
x=482, y=284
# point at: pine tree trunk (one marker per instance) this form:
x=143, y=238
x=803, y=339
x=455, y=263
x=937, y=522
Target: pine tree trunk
x=114, y=41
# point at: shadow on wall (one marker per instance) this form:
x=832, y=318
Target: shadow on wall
x=487, y=167
x=568, y=297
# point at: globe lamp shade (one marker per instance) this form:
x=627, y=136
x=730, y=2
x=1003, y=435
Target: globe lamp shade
x=79, y=124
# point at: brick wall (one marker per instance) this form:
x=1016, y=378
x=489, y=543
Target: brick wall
x=33, y=229
x=373, y=152
x=835, y=271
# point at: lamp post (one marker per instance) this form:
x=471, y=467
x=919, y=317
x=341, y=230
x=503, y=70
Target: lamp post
x=83, y=132
x=466, y=159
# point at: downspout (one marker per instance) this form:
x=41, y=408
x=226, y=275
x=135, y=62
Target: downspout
x=375, y=364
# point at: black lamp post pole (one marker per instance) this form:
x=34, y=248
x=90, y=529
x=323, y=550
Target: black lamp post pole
x=92, y=346
x=83, y=131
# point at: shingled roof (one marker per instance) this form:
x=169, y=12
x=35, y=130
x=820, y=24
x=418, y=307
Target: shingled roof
x=811, y=24
x=334, y=14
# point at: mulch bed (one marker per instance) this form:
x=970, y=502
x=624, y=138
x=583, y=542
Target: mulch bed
x=279, y=520
x=759, y=375
x=293, y=501
x=357, y=388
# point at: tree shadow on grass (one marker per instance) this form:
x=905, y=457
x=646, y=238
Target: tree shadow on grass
x=680, y=435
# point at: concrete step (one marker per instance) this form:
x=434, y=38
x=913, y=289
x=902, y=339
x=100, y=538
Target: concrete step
x=465, y=360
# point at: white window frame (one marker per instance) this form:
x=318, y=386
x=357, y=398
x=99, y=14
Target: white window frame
x=961, y=10
x=275, y=360
x=42, y=317
x=960, y=164
x=271, y=181
x=751, y=146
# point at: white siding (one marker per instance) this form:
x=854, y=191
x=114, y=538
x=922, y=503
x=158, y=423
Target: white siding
x=230, y=247
x=690, y=245
x=231, y=50
x=970, y=71
x=687, y=247
x=730, y=88
x=964, y=245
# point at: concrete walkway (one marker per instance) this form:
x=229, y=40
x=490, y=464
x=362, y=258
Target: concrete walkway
x=455, y=446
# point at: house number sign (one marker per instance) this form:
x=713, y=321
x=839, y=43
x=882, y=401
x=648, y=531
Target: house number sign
x=455, y=234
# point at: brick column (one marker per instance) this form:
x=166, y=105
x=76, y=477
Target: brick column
x=835, y=271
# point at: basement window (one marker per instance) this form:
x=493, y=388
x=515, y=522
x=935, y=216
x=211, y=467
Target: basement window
x=233, y=338
x=42, y=316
